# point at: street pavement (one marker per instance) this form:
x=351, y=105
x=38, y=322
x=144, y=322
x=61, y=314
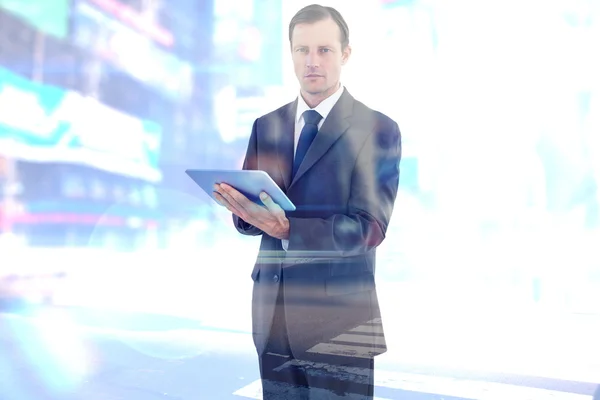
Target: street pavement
x=131, y=329
x=70, y=353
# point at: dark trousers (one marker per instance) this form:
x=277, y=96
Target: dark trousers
x=291, y=376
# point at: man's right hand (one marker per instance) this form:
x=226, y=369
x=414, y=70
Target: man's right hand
x=270, y=219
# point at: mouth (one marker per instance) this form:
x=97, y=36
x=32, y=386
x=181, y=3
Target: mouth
x=313, y=76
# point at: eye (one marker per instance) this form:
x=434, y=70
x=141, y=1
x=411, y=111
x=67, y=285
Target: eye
x=325, y=50
x=301, y=50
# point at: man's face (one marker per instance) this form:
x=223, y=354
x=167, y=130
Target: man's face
x=318, y=57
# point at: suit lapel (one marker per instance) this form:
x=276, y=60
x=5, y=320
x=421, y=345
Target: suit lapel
x=285, y=142
x=334, y=126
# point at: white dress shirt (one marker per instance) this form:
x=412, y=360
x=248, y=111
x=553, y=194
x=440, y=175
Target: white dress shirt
x=324, y=108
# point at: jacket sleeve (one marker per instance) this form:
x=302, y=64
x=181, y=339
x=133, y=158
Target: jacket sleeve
x=373, y=189
x=250, y=163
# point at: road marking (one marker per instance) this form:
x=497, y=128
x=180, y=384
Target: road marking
x=368, y=329
x=472, y=389
x=366, y=339
x=466, y=388
x=461, y=388
x=364, y=336
x=278, y=355
x=345, y=350
x=251, y=391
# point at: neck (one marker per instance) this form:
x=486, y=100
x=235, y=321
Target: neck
x=314, y=99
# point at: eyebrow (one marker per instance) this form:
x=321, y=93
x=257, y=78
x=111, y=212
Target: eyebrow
x=325, y=46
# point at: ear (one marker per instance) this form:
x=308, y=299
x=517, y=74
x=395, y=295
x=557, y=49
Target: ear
x=346, y=54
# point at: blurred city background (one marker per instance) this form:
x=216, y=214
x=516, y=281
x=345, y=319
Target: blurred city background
x=105, y=103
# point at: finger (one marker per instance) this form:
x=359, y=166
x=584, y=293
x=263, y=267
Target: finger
x=223, y=193
x=227, y=189
x=239, y=200
x=223, y=201
x=269, y=203
x=233, y=193
x=246, y=209
x=218, y=193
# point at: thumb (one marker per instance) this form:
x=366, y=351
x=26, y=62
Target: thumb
x=268, y=202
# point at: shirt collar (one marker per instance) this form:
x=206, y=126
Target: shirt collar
x=324, y=107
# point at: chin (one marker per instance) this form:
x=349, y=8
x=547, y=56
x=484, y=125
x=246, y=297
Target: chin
x=315, y=89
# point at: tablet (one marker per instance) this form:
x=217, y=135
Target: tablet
x=248, y=182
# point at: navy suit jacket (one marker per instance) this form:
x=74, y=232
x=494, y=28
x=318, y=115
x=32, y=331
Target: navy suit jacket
x=344, y=192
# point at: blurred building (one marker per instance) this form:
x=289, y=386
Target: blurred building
x=100, y=100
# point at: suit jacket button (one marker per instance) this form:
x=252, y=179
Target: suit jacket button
x=275, y=278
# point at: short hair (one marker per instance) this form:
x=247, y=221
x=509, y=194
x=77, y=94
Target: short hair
x=315, y=13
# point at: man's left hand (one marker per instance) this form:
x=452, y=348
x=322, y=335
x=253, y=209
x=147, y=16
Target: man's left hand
x=270, y=219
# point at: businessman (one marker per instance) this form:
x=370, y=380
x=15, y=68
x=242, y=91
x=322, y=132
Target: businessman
x=316, y=319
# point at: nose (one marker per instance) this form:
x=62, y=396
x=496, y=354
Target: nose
x=312, y=60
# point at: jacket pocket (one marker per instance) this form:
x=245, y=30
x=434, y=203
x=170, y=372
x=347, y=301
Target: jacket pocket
x=356, y=265
x=346, y=284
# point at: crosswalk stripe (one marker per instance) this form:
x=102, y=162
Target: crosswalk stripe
x=444, y=386
x=251, y=391
x=335, y=349
x=367, y=339
x=471, y=389
x=372, y=329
